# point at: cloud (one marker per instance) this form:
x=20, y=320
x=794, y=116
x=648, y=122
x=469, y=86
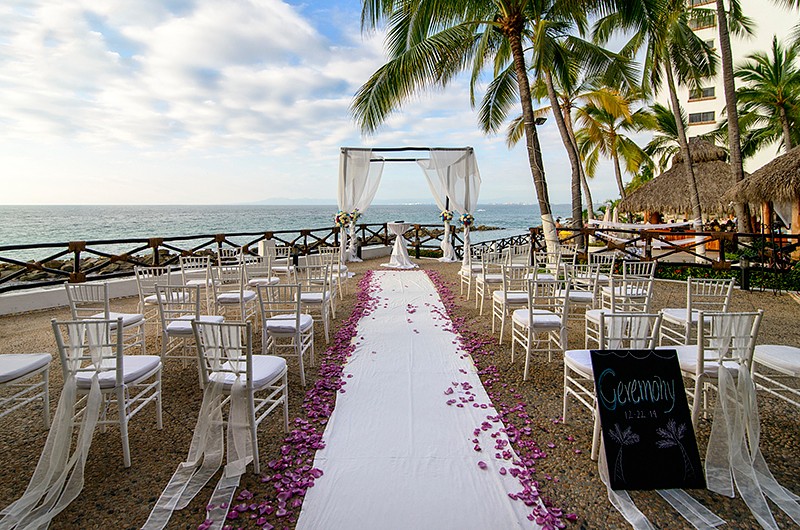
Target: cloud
x=201, y=101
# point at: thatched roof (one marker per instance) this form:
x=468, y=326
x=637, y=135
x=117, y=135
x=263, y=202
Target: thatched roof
x=776, y=181
x=669, y=192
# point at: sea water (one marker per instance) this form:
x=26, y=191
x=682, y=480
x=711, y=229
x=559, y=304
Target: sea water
x=23, y=225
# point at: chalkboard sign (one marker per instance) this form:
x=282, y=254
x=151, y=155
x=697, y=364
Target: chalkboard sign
x=647, y=427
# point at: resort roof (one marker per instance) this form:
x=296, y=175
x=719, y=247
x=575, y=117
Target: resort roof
x=668, y=192
x=776, y=181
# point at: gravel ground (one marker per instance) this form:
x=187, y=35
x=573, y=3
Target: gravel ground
x=115, y=497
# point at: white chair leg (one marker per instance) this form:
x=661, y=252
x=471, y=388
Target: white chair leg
x=285, y=403
x=46, y=398
x=159, y=415
x=298, y=348
x=251, y=418
x=595, y=436
x=123, y=427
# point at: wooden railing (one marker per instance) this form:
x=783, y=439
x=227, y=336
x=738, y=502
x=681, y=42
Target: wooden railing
x=80, y=261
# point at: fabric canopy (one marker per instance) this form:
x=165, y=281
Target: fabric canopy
x=452, y=175
x=359, y=176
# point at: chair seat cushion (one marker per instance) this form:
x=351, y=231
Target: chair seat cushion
x=541, y=319
x=235, y=298
x=272, y=280
x=784, y=359
x=490, y=278
x=687, y=357
x=286, y=323
x=153, y=298
x=183, y=326
x=201, y=282
x=579, y=361
x=266, y=368
x=511, y=297
x=629, y=291
x=128, y=319
x=315, y=298
x=546, y=276
x=15, y=365
x=282, y=269
x=134, y=367
x=593, y=315
x=581, y=297
x=677, y=315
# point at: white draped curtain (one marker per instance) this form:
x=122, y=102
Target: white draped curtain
x=359, y=176
x=453, y=174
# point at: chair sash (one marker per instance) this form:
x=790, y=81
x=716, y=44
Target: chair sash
x=59, y=475
x=733, y=454
x=222, y=346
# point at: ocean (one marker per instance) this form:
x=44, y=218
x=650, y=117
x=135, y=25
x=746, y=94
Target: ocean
x=20, y=225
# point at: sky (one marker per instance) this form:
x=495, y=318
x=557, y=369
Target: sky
x=209, y=102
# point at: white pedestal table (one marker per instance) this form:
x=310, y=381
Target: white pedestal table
x=399, y=258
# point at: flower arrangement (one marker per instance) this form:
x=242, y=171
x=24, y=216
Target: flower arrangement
x=467, y=219
x=446, y=215
x=341, y=218
x=355, y=215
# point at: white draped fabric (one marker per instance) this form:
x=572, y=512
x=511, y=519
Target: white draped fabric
x=359, y=177
x=208, y=446
x=396, y=455
x=733, y=455
x=453, y=174
x=59, y=476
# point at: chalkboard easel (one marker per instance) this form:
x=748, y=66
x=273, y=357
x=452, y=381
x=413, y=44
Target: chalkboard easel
x=644, y=415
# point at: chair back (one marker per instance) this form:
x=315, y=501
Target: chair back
x=316, y=278
x=492, y=263
x=257, y=267
x=515, y=277
x=638, y=269
x=194, y=265
x=88, y=300
x=224, y=348
x=280, y=254
x=89, y=346
x=229, y=256
x=710, y=295
x=229, y=277
x=605, y=260
x=729, y=340
x=280, y=301
x=148, y=277
x=549, y=295
x=518, y=255
x=332, y=254
x=583, y=276
x=637, y=331
x=547, y=262
x=632, y=295
x=177, y=302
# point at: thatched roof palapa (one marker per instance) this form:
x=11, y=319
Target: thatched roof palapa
x=669, y=192
x=775, y=181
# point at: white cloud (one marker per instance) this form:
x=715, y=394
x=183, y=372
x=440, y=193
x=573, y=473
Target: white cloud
x=211, y=102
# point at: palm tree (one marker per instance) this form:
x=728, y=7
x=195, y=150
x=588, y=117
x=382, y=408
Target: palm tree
x=740, y=25
x=664, y=144
x=430, y=42
x=773, y=89
x=672, y=53
x=603, y=133
x=571, y=92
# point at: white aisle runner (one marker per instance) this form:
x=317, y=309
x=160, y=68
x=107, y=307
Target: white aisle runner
x=397, y=456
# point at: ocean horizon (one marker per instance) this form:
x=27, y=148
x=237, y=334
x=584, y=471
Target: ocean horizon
x=42, y=224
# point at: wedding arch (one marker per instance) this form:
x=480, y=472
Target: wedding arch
x=451, y=172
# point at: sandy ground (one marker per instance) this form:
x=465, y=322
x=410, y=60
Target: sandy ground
x=115, y=497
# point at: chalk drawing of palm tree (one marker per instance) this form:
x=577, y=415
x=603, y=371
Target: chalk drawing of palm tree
x=671, y=436
x=623, y=438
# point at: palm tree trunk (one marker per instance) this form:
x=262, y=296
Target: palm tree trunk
x=574, y=161
x=618, y=174
x=734, y=137
x=694, y=196
x=584, y=181
x=532, y=140
x=787, y=132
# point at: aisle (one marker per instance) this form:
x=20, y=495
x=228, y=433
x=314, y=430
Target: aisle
x=398, y=455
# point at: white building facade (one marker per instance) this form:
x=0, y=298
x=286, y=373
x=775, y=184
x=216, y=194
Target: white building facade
x=705, y=108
